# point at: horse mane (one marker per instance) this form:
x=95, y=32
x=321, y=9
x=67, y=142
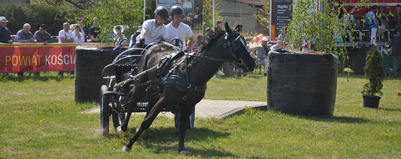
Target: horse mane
x=211, y=37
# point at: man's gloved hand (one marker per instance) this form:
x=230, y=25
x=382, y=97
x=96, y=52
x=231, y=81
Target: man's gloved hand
x=142, y=42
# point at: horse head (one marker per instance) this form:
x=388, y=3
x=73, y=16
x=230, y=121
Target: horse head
x=236, y=50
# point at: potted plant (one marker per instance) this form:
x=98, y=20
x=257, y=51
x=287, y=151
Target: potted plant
x=305, y=82
x=374, y=71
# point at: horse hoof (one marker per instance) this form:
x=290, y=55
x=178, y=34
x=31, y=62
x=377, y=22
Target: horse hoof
x=184, y=152
x=119, y=131
x=126, y=149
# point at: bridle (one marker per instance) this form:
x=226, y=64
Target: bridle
x=235, y=45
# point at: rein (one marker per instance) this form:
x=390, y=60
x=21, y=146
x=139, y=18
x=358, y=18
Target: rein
x=215, y=59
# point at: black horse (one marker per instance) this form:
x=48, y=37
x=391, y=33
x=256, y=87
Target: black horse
x=183, y=81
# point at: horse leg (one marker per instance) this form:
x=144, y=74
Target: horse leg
x=134, y=95
x=151, y=103
x=157, y=108
x=186, y=111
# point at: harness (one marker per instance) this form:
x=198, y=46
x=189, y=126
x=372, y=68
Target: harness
x=174, y=79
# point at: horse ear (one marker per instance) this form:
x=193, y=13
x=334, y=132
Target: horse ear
x=228, y=29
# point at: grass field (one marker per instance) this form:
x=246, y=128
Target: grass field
x=39, y=119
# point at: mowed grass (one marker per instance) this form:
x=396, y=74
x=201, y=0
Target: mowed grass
x=39, y=119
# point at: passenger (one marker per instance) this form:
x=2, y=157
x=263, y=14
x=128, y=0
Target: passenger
x=24, y=35
x=94, y=31
x=177, y=29
x=5, y=34
x=153, y=30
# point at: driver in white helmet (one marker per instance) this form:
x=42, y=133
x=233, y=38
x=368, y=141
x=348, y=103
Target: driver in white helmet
x=153, y=30
x=178, y=30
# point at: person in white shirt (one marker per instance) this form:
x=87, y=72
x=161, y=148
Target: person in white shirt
x=153, y=30
x=77, y=35
x=178, y=30
x=65, y=35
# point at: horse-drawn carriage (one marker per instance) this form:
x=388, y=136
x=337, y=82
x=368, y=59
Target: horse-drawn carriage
x=119, y=78
x=164, y=78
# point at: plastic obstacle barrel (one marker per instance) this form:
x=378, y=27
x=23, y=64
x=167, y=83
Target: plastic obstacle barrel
x=302, y=84
x=88, y=72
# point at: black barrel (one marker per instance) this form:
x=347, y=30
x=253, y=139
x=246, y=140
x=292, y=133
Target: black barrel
x=89, y=63
x=302, y=84
x=358, y=61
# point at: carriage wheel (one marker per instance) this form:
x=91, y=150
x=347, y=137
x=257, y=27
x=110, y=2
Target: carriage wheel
x=190, y=125
x=104, y=110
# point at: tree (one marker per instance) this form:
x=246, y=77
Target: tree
x=263, y=15
x=116, y=12
x=318, y=22
x=79, y=4
x=208, y=13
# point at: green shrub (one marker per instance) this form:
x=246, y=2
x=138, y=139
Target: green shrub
x=19, y=14
x=374, y=71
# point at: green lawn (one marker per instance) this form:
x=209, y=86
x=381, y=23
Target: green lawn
x=39, y=119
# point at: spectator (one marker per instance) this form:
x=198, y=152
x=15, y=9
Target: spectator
x=81, y=23
x=396, y=44
x=395, y=20
x=383, y=17
x=277, y=47
x=77, y=35
x=119, y=34
x=42, y=35
x=306, y=43
x=94, y=31
x=373, y=24
x=283, y=31
x=153, y=30
x=219, y=24
x=177, y=29
x=5, y=34
x=65, y=35
x=198, y=42
x=24, y=35
x=348, y=18
x=262, y=53
x=228, y=67
x=240, y=28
